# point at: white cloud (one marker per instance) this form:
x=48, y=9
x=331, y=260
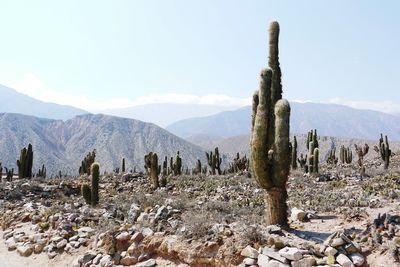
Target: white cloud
x=382, y=106
x=34, y=87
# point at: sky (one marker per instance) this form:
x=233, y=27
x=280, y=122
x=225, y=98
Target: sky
x=107, y=54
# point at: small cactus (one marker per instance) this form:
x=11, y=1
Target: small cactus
x=294, y=154
x=123, y=165
x=303, y=162
x=345, y=155
x=153, y=169
x=214, y=161
x=86, y=193
x=385, y=151
x=332, y=159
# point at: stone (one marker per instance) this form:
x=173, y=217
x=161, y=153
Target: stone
x=305, y=262
x=344, y=261
x=330, y=251
x=330, y=260
x=263, y=260
x=289, y=253
x=147, y=231
x=133, y=213
x=97, y=259
x=11, y=244
x=51, y=254
x=123, y=241
x=162, y=213
x=249, y=261
x=273, y=254
x=56, y=239
x=148, y=263
x=137, y=237
x=38, y=248
x=275, y=263
x=128, y=260
x=298, y=215
x=25, y=250
x=106, y=261
x=62, y=243
x=249, y=252
x=357, y=258
x=337, y=242
x=89, y=256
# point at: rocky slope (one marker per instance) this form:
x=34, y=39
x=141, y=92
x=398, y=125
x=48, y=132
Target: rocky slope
x=329, y=119
x=62, y=145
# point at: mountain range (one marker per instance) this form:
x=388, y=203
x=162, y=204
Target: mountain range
x=329, y=119
x=12, y=101
x=61, y=145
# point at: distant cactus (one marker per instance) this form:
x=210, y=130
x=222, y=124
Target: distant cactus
x=87, y=163
x=303, y=163
x=197, y=169
x=123, y=165
x=151, y=164
x=239, y=164
x=294, y=154
x=177, y=166
x=95, y=171
x=270, y=152
x=312, y=145
x=385, y=151
x=361, y=152
x=345, y=155
x=214, y=161
x=165, y=166
x=25, y=163
x=9, y=174
x=332, y=159
x=42, y=172
x=86, y=193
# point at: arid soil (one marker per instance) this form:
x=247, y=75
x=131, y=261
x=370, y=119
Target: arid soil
x=204, y=221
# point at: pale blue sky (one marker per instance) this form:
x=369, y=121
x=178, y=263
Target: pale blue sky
x=107, y=53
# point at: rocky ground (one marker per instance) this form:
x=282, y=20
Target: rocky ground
x=337, y=219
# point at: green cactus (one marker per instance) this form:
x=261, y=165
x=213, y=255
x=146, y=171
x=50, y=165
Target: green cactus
x=123, y=165
x=87, y=163
x=41, y=172
x=165, y=166
x=385, y=151
x=294, y=154
x=25, y=163
x=178, y=165
x=332, y=159
x=345, y=155
x=315, y=160
x=270, y=152
x=312, y=144
x=153, y=169
x=86, y=193
x=214, y=161
x=95, y=171
x=303, y=162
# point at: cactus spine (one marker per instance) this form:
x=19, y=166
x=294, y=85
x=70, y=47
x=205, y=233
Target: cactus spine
x=25, y=162
x=95, y=171
x=270, y=152
x=214, y=161
x=385, y=151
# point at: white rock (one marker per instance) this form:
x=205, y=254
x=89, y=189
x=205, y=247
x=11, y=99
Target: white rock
x=293, y=254
x=344, y=261
x=305, y=262
x=249, y=261
x=297, y=214
x=275, y=263
x=330, y=251
x=249, y=252
x=263, y=260
x=357, y=259
x=25, y=250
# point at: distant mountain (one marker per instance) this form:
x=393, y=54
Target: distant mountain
x=13, y=102
x=164, y=114
x=61, y=145
x=328, y=119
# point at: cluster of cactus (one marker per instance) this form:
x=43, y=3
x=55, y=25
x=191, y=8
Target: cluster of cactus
x=41, y=172
x=123, y=165
x=332, y=159
x=345, y=155
x=25, y=162
x=87, y=163
x=239, y=164
x=313, y=151
x=293, y=154
x=91, y=193
x=197, y=169
x=270, y=149
x=9, y=174
x=116, y=170
x=385, y=151
x=214, y=161
x=176, y=167
x=152, y=168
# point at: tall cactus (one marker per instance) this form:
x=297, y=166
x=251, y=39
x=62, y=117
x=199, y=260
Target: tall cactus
x=25, y=162
x=385, y=151
x=294, y=154
x=123, y=165
x=270, y=152
x=214, y=161
x=312, y=145
x=151, y=164
x=95, y=171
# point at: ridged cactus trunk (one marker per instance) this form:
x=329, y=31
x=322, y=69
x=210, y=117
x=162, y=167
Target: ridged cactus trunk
x=294, y=154
x=270, y=148
x=95, y=171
